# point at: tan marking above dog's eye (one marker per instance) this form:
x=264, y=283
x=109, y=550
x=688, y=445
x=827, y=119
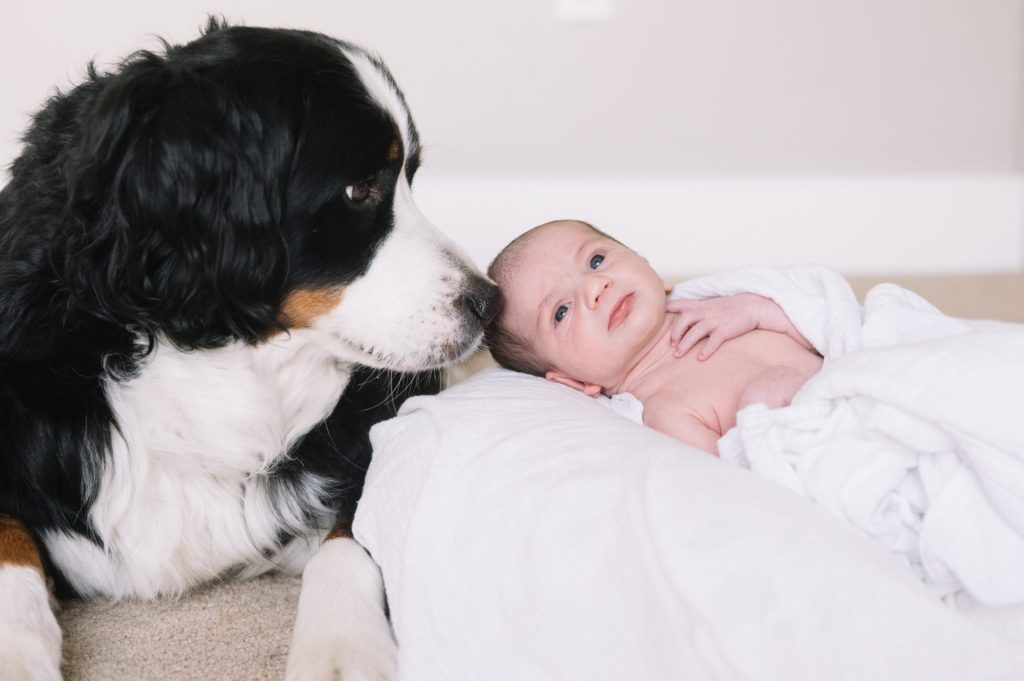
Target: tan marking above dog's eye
x=303, y=307
x=394, y=150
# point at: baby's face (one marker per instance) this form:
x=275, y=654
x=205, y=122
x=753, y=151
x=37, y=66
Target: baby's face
x=587, y=304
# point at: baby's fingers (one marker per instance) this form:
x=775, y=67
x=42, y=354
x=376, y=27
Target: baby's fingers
x=683, y=322
x=715, y=340
x=694, y=335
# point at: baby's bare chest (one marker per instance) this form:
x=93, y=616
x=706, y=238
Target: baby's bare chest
x=711, y=390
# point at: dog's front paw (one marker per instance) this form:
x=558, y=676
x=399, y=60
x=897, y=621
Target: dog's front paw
x=30, y=638
x=336, y=661
x=341, y=631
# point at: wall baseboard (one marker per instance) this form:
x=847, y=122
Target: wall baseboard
x=688, y=225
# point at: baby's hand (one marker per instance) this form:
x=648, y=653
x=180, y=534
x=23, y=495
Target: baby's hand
x=717, y=319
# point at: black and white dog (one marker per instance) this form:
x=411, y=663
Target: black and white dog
x=211, y=268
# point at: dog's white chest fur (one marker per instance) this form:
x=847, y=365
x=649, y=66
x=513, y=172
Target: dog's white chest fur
x=184, y=493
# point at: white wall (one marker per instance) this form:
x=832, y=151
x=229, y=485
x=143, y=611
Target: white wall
x=868, y=225
x=868, y=120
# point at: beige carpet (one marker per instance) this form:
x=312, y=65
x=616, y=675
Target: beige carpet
x=230, y=632
x=242, y=630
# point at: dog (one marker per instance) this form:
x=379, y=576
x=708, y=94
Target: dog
x=213, y=281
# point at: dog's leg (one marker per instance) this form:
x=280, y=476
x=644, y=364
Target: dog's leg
x=341, y=630
x=30, y=637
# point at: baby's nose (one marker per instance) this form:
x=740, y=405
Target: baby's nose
x=597, y=285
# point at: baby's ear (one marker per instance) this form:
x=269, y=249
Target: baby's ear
x=588, y=389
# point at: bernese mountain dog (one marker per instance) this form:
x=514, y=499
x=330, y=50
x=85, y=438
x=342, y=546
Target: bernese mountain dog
x=213, y=281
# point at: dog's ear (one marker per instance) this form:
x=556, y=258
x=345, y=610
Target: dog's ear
x=178, y=191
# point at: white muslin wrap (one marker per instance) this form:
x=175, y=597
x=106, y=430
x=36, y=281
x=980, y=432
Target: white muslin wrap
x=913, y=430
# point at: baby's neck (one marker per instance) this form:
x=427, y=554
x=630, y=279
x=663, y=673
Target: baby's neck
x=647, y=362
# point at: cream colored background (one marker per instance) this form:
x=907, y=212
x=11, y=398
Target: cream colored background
x=921, y=101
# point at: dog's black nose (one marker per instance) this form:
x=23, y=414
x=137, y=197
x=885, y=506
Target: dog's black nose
x=482, y=298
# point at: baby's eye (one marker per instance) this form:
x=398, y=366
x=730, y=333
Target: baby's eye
x=595, y=261
x=561, y=312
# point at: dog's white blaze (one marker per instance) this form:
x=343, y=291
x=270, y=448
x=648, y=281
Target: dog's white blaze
x=30, y=638
x=184, y=495
x=382, y=91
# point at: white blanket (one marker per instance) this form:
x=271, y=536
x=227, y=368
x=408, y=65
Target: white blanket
x=913, y=430
x=526, y=534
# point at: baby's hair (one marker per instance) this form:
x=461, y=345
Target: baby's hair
x=507, y=347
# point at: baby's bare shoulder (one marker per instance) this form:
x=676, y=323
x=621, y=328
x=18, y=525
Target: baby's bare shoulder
x=678, y=419
x=673, y=404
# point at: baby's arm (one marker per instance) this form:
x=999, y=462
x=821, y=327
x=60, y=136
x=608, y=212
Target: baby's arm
x=719, y=319
x=683, y=426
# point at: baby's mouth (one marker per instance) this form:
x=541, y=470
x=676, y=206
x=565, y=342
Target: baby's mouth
x=621, y=311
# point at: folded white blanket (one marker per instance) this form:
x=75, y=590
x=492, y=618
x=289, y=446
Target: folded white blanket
x=913, y=429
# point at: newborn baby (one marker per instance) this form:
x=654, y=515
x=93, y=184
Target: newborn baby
x=584, y=310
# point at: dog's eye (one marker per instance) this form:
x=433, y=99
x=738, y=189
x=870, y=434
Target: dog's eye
x=358, y=192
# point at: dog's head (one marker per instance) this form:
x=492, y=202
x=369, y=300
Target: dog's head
x=257, y=181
